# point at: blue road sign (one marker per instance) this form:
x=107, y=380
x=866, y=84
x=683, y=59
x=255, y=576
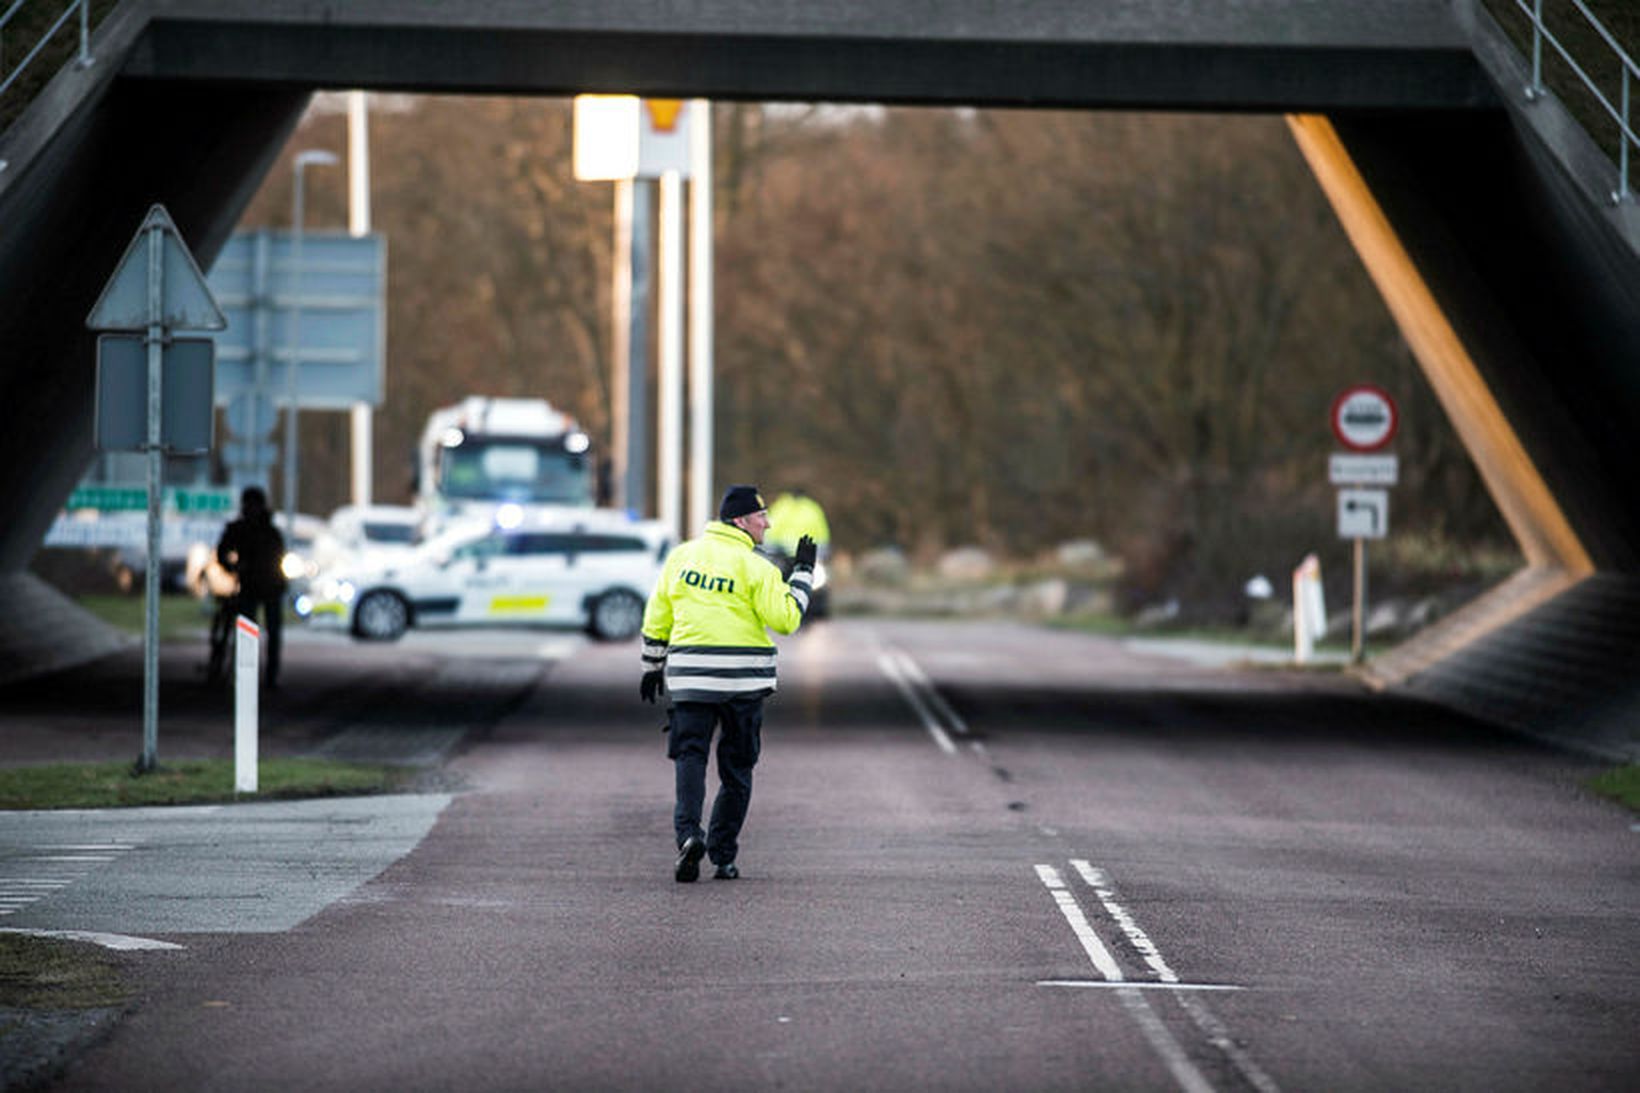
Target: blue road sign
x=343, y=325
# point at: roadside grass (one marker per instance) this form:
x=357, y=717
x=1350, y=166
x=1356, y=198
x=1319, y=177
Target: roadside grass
x=181, y=618
x=1621, y=785
x=39, y=973
x=201, y=781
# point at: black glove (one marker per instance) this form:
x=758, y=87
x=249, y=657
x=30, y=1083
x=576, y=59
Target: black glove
x=804, y=558
x=651, y=685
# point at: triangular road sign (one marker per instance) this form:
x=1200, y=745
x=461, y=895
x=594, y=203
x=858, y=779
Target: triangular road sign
x=186, y=302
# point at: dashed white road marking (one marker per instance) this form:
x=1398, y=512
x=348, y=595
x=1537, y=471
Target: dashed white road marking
x=1096, y=880
x=1211, y=1027
x=52, y=867
x=1163, y=1042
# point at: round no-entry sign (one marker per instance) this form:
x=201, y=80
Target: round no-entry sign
x=1364, y=417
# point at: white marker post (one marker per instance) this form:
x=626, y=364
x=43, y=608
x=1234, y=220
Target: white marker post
x=1309, y=609
x=247, y=666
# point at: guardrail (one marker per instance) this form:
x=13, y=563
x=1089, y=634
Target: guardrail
x=1628, y=77
x=83, y=7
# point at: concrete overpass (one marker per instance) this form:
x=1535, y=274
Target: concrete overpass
x=1481, y=218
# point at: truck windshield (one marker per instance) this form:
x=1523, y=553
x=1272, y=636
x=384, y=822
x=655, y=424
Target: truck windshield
x=515, y=470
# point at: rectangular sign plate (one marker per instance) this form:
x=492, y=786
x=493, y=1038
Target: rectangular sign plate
x=1363, y=470
x=1363, y=514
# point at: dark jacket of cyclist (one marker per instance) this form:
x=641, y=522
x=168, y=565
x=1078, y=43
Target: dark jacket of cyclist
x=252, y=549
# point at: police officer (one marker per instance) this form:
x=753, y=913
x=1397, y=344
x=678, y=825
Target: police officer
x=706, y=641
x=252, y=549
x=793, y=515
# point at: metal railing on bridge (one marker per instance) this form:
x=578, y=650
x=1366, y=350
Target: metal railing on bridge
x=1628, y=76
x=80, y=7
x=37, y=37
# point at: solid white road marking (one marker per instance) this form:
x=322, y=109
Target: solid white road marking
x=122, y=942
x=1139, y=986
x=935, y=699
x=1162, y=1041
x=90, y=846
x=890, y=669
x=1097, y=953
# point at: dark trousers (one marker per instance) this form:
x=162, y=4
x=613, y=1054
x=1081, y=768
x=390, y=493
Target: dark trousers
x=272, y=609
x=690, y=739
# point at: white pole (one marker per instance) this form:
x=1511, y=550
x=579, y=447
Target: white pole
x=1303, y=643
x=700, y=315
x=247, y=664
x=358, y=164
x=314, y=157
x=292, y=365
x=670, y=299
x=620, y=380
x=358, y=224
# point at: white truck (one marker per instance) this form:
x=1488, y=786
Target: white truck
x=522, y=472
x=484, y=453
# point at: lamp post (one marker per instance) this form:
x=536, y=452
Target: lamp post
x=313, y=157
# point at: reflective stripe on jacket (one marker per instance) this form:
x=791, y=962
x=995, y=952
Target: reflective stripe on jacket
x=708, y=620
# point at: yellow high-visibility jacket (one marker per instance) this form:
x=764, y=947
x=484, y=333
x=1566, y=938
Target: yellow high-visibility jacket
x=707, y=622
x=791, y=517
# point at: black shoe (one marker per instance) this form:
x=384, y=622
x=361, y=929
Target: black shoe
x=727, y=871
x=689, y=855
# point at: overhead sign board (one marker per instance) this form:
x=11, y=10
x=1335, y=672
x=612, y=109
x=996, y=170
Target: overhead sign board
x=663, y=138
x=1363, y=470
x=185, y=299
x=1364, y=417
x=1363, y=514
x=343, y=324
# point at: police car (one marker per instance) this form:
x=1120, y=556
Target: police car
x=589, y=573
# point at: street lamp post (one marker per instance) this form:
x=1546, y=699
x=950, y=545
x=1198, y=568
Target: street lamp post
x=317, y=158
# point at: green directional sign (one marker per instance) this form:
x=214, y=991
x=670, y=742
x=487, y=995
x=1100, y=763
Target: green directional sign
x=189, y=502
x=108, y=498
x=196, y=502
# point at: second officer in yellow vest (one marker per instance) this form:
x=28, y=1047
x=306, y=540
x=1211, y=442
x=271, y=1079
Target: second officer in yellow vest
x=706, y=641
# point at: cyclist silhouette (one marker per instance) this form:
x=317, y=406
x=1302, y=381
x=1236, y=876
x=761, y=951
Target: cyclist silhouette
x=252, y=549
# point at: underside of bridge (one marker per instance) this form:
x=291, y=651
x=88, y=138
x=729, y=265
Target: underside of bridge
x=1524, y=297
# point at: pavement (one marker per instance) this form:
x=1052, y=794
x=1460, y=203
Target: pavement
x=43, y=630
x=120, y=874
x=1219, y=800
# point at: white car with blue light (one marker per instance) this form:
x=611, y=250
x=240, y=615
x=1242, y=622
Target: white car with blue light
x=589, y=573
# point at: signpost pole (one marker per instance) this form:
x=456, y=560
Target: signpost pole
x=1358, y=612
x=149, y=759
x=140, y=299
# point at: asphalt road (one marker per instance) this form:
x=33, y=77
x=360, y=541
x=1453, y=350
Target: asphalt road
x=978, y=857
